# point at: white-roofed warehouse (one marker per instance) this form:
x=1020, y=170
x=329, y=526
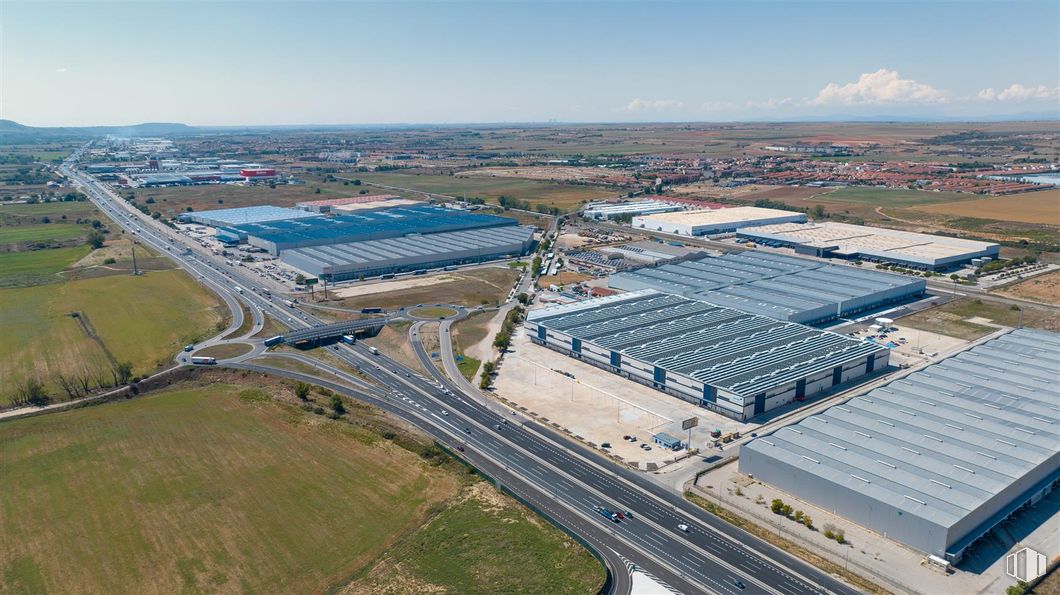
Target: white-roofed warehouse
x=934, y=460
x=776, y=285
x=725, y=360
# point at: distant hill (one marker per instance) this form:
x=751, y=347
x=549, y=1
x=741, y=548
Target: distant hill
x=12, y=133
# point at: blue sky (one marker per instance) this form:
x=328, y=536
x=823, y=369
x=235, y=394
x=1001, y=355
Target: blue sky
x=234, y=63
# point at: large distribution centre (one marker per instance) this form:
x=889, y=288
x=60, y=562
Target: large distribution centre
x=934, y=460
x=736, y=363
x=784, y=287
x=714, y=221
x=873, y=244
x=277, y=236
x=607, y=210
x=341, y=262
x=367, y=202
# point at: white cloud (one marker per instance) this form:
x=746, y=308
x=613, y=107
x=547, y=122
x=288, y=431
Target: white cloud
x=653, y=105
x=882, y=87
x=771, y=103
x=61, y=69
x=1017, y=92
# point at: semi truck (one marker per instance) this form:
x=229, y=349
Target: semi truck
x=373, y=350
x=288, y=303
x=607, y=513
x=202, y=360
x=274, y=340
x=371, y=310
x=349, y=339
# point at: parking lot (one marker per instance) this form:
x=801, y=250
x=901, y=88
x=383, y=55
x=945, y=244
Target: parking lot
x=601, y=407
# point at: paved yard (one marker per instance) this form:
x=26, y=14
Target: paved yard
x=600, y=406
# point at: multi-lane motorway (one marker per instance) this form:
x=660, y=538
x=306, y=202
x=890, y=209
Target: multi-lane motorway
x=560, y=478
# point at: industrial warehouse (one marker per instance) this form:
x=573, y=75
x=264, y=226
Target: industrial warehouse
x=244, y=216
x=608, y=210
x=934, y=460
x=725, y=360
x=782, y=287
x=304, y=232
x=341, y=262
x=373, y=242
x=873, y=244
x=714, y=221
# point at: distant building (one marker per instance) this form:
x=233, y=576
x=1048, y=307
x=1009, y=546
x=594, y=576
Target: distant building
x=711, y=221
x=609, y=210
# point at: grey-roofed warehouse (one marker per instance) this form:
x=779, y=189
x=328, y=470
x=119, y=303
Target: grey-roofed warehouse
x=783, y=287
x=934, y=460
x=245, y=215
x=340, y=262
x=736, y=363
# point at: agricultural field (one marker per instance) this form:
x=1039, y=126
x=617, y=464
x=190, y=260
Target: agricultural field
x=564, y=196
x=176, y=200
x=142, y=320
x=217, y=496
x=37, y=267
x=59, y=212
x=48, y=232
x=1042, y=207
x=892, y=197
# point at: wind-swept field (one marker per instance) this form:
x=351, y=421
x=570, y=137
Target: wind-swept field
x=563, y=196
x=143, y=320
x=1030, y=207
x=223, y=488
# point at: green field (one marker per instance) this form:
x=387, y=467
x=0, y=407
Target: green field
x=36, y=267
x=511, y=552
x=143, y=320
x=31, y=213
x=564, y=196
x=221, y=488
x=211, y=489
x=468, y=366
x=52, y=232
x=433, y=312
x=892, y=197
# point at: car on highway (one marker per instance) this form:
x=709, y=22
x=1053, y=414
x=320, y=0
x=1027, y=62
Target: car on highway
x=739, y=584
x=444, y=412
x=683, y=527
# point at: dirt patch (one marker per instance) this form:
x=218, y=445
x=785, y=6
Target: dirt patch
x=388, y=286
x=1043, y=288
x=563, y=278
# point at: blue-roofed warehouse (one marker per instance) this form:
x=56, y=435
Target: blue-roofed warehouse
x=277, y=236
x=775, y=285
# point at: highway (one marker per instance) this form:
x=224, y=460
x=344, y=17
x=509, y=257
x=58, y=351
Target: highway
x=560, y=478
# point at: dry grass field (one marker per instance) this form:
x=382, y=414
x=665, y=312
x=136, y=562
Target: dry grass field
x=466, y=288
x=1032, y=207
x=563, y=196
x=1043, y=288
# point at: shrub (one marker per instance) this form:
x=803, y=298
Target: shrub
x=786, y=510
x=806, y=520
x=798, y=515
x=777, y=506
x=336, y=405
x=301, y=390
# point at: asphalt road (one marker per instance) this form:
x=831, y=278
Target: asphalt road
x=562, y=479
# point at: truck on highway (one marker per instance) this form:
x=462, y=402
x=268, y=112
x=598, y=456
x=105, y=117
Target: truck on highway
x=266, y=291
x=274, y=340
x=203, y=360
x=607, y=513
x=288, y=303
x=348, y=339
x=373, y=350
x=371, y=310
x=239, y=289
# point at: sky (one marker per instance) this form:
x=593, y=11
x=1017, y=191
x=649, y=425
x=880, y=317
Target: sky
x=263, y=63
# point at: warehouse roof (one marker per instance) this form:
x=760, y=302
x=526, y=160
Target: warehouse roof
x=332, y=202
x=741, y=352
x=765, y=283
x=248, y=215
x=390, y=222
x=717, y=216
x=943, y=441
x=849, y=240
x=373, y=251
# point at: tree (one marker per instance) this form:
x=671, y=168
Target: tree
x=301, y=390
x=806, y=520
x=777, y=506
x=798, y=515
x=317, y=191
x=523, y=298
x=31, y=392
x=818, y=212
x=95, y=239
x=299, y=279
x=954, y=277
x=337, y=406
x=124, y=371
x=785, y=510
x=46, y=220
x=1018, y=589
